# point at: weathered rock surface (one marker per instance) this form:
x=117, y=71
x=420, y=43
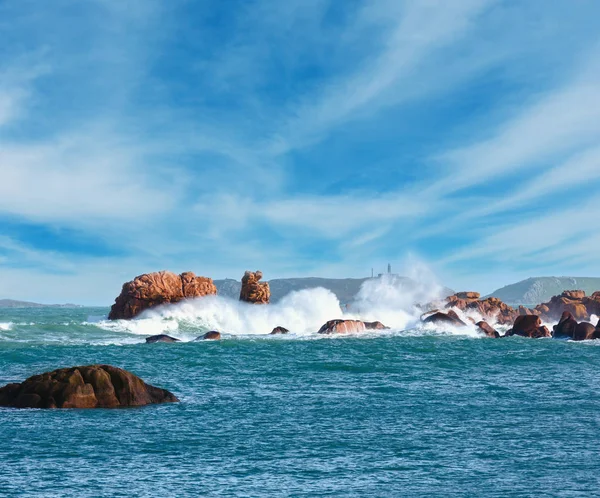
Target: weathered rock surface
x=573, y=301
x=441, y=318
x=489, y=308
x=160, y=338
x=566, y=326
x=488, y=330
x=349, y=326
x=585, y=331
x=211, y=335
x=253, y=291
x=153, y=289
x=529, y=326
x=279, y=330
x=93, y=386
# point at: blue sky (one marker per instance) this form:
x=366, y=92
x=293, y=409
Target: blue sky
x=306, y=137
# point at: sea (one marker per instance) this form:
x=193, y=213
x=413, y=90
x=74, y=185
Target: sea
x=410, y=411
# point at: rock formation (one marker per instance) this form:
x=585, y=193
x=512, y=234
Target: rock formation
x=160, y=338
x=153, y=289
x=585, y=331
x=212, y=335
x=488, y=330
x=529, y=326
x=93, y=386
x=349, y=326
x=573, y=301
x=449, y=318
x=253, y=291
x=490, y=308
x=566, y=326
x=279, y=330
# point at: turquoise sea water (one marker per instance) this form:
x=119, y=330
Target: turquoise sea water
x=397, y=413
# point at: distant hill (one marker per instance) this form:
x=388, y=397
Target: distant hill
x=11, y=303
x=540, y=289
x=344, y=288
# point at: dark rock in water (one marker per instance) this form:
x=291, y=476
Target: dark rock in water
x=212, y=335
x=566, y=326
x=92, y=386
x=279, y=330
x=449, y=318
x=160, y=338
x=487, y=329
x=153, y=289
x=340, y=326
x=585, y=331
x=529, y=326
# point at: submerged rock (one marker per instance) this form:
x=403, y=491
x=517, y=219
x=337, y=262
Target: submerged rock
x=92, y=386
x=340, y=326
x=153, y=289
x=160, y=338
x=529, y=326
x=212, y=335
x=253, y=291
x=448, y=318
x=279, y=330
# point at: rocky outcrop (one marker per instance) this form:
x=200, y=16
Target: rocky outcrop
x=279, y=330
x=153, y=289
x=572, y=301
x=585, y=331
x=489, y=308
x=212, y=335
x=566, y=326
x=441, y=318
x=93, y=386
x=529, y=326
x=349, y=326
x=488, y=330
x=253, y=291
x=160, y=338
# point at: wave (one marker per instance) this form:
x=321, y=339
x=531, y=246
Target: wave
x=5, y=326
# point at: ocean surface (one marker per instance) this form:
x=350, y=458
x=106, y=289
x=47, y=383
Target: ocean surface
x=404, y=412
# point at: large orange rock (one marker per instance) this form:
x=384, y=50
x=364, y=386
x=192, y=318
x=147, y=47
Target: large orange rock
x=572, y=301
x=153, y=289
x=253, y=291
x=488, y=330
x=92, y=386
x=490, y=308
x=349, y=326
x=529, y=326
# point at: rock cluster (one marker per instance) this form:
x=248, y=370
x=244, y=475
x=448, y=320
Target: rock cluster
x=253, y=291
x=93, y=386
x=349, y=326
x=572, y=301
x=489, y=308
x=529, y=326
x=153, y=289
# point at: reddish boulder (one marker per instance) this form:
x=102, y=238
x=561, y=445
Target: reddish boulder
x=585, y=331
x=574, y=294
x=153, y=289
x=488, y=330
x=529, y=326
x=93, y=386
x=212, y=335
x=253, y=291
x=160, y=338
x=566, y=326
x=349, y=326
x=468, y=295
x=279, y=330
x=573, y=301
x=523, y=310
x=490, y=308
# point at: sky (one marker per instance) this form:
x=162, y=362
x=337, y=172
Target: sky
x=302, y=138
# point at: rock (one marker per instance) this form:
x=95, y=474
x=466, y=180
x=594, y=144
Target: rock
x=93, y=386
x=349, y=326
x=566, y=326
x=585, y=331
x=487, y=329
x=153, y=289
x=573, y=301
x=279, y=330
x=468, y=295
x=529, y=326
x=160, y=338
x=449, y=318
x=253, y=291
x=212, y=335
x=523, y=310
x=573, y=294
